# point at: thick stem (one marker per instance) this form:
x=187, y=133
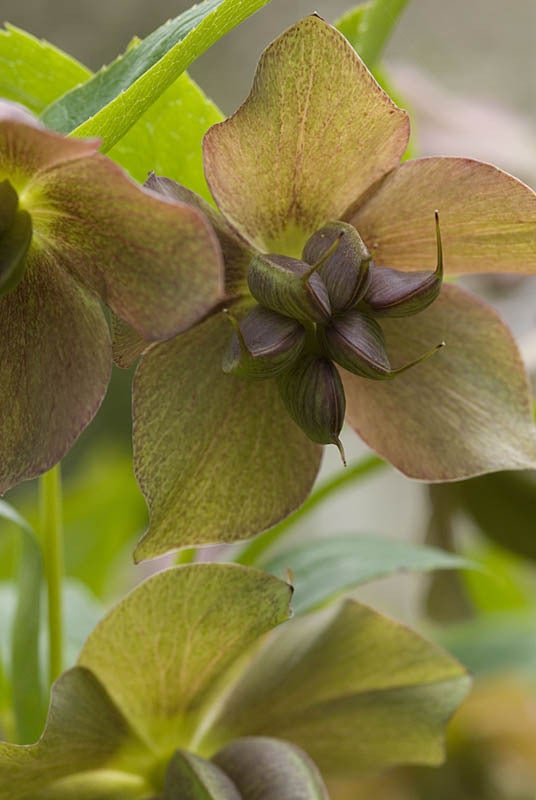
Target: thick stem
x=52, y=542
x=253, y=552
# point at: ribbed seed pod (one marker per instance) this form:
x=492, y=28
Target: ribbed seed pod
x=263, y=345
x=313, y=394
x=343, y=261
x=288, y=286
x=356, y=342
x=399, y=294
x=15, y=238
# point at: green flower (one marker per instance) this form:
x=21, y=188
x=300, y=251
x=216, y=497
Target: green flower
x=333, y=275
x=74, y=231
x=184, y=691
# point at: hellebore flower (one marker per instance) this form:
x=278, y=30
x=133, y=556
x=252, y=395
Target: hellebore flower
x=192, y=688
x=332, y=257
x=75, y=230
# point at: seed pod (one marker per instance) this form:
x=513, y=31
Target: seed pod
x=342, y=261
x=356, y=342
x=313, y=394
x=399, y=294
x=263, y=345
x=289, y=286
x=15, y=238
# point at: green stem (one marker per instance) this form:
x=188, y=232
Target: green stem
x=379, y=19
x=253, y=552
x=52, y=542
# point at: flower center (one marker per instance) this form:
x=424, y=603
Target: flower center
x=15, y=238
x=321, y=310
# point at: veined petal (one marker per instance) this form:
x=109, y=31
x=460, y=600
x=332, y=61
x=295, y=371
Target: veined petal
x=237, y=253
x=463, y=412
x=55, y=363
x=155, y=262
x=488, y=218
x=313, y=135
x=26, y=147
x=217, y=457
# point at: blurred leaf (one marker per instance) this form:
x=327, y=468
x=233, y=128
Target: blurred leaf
x=104, y=513
x=369, y=26
x=138, y=690
x=263, y=768
x=25, y=666
x=357, y=691
x=85, y=731
x=323, y=568
x=34, y=72
x=503, y=505
x=110, y=103
x=167, y=138
x=494, y=643
x=192, y=622
x=508, y=583
x=82, y=613
x=352, y=23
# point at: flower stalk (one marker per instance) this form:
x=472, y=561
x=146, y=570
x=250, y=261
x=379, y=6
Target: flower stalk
x=51, y=526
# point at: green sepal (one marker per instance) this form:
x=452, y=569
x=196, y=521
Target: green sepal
x=289, y=286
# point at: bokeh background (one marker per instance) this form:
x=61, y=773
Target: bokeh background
x=465, y=70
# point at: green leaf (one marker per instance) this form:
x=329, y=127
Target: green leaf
x=352, y=23
x=190, y=777
x=268, y=769
x=192, y=623
x=503, y=505
x=323, y=568
x=27, y=688
x=495, y=643
x=167, y=138
x=110, y=103
x=85, y=731
x=368, y=27
x=357, y=691
x=138, y=691
x=34, y=72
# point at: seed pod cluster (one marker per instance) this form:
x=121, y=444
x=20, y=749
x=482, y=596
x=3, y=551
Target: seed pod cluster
x=320, y=311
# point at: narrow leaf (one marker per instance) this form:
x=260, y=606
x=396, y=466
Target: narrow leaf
x=110, y=103
x=324, y=568
x=28, y=697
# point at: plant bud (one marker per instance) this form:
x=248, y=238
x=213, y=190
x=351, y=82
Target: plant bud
x=342, y=261
x=263, y=345
x=15, y=238
x=290, y=287
x=356, y=342
x=400, y=294
x=313, y=394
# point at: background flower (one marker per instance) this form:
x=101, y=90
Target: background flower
x=92, y=236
